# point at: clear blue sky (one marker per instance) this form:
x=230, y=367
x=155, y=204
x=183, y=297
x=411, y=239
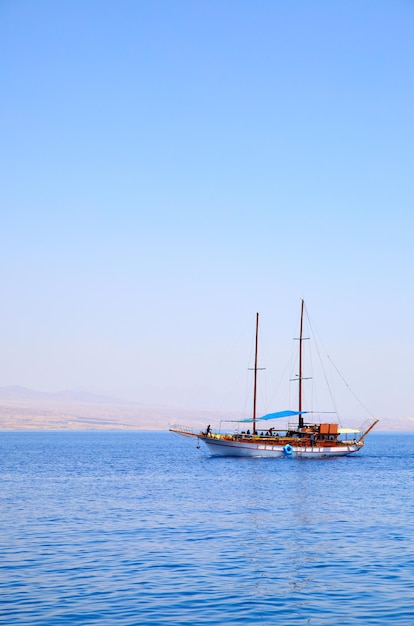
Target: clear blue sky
x=170, y=168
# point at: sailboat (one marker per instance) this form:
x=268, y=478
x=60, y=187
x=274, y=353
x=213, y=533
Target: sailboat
x=302, y=439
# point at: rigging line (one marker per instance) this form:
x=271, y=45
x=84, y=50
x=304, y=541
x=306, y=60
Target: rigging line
x=313, y=332
x=345, y=383
x=338, y=372
x=286, y=374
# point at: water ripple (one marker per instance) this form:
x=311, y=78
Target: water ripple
x=143, y=528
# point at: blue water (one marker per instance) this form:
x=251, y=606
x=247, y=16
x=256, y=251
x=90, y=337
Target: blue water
x=144, y=528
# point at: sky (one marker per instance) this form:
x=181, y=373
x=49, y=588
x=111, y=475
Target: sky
x=171, y=168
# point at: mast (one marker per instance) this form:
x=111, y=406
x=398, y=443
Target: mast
x=300, y=424
x=255, y=373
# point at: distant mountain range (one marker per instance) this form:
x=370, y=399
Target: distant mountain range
x=22, y=408
x=15, y=393
x=26, y=409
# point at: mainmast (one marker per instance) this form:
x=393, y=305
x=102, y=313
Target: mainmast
x=300, y=425
x=255, y=373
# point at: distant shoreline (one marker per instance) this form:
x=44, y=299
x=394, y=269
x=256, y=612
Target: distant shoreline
x=28, y=414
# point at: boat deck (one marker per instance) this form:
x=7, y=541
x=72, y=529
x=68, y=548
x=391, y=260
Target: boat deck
x=304, y=441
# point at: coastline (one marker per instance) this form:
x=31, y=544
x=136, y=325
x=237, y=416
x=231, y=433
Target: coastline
x=37, y=415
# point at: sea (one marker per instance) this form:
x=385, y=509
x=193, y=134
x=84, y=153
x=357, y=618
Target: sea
x=140, y=528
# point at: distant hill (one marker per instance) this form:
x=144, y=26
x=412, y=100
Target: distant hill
x=26, y=409
x=395, y=424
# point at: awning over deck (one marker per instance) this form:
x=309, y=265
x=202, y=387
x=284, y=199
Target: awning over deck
x=269, y=416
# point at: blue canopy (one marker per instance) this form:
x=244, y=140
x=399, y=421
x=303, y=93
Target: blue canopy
x=269, y=416
x=272, y=416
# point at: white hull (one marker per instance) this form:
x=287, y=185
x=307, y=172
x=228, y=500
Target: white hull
x=222, y=447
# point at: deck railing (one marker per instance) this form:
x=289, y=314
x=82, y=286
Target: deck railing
x=183, y=429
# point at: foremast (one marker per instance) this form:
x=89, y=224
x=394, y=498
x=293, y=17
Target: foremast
x=256, y=369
